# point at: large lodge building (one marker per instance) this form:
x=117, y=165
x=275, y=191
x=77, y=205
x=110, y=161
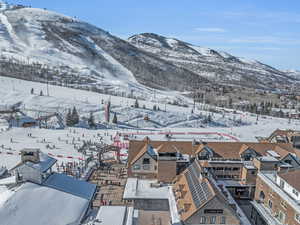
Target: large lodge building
x=204, y=174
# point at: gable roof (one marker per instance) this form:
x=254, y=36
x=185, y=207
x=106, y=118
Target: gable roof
x=138, y=148
x=291, y=177
x=233, y=150
x=195, y=191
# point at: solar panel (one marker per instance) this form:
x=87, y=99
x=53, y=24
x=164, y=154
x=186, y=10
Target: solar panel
x=199, y=190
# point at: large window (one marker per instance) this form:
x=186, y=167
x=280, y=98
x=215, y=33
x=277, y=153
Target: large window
x=202, y=220
x=223, y=220
x=212, y=219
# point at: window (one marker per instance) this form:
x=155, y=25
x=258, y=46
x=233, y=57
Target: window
x=223, y=220
x=295, y=192
x=213, y=219
x=253, y=172
x=288, y=161
x=235, y=168
x=202, y=220
x=136, y=167
x=281, y=183
x=219, y=168
x=270, y=204
x=146, y=161
x=281, y=217
x=146, y=167
x=213, y=211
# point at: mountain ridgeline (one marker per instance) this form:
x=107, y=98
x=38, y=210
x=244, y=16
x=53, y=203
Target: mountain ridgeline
x=40, y=45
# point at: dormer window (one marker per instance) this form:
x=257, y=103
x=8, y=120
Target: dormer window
x=295, y=192
x=146, y=161
x=282, y=184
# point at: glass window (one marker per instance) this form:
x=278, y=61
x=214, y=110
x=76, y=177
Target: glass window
x=223, y=220
x=202, y=220
x=270, y=204
x=136, y=167
x=281, y=183
x=281, y=217
x=213, y=219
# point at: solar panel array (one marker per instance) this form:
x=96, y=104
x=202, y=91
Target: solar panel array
x=199, y=190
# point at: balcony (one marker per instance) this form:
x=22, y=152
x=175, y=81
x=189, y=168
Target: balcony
x=266, y=213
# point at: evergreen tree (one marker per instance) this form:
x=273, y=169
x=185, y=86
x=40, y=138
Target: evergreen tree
x=69, y=122
x=91, y=121
x=32, y=91
x=154, y=108
x=75, y=116
x=41, y=93
x=115, y=119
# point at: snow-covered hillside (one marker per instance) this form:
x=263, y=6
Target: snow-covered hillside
x=40, y=45
x=215, y=65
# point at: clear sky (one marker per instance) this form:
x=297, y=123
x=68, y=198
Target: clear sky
x=266, y=30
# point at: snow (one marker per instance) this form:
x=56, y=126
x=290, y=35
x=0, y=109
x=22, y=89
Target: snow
x=45, y=163
x=175, y=217
x=171, y=42
x=70, y=185
x=7, y=181
x=5, y=194
x=35, y=205
x=203, y=51
x=142, y=189
x=107, y=215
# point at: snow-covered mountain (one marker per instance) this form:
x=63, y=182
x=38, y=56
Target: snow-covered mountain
x=215, y=65
x=40, y=45
x=37, y=44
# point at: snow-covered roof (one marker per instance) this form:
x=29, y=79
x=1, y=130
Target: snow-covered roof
x=46, y=162
x=71, y=185
x=273, y=153
x=144, y=189
x=35, y=205
x=107, y=215
x=8, y=180
x=267, y=159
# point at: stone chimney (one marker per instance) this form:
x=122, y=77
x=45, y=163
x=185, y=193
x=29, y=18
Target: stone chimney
x=30, y=155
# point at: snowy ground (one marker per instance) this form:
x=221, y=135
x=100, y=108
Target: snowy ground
x=63, y=144
x=60, y=144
